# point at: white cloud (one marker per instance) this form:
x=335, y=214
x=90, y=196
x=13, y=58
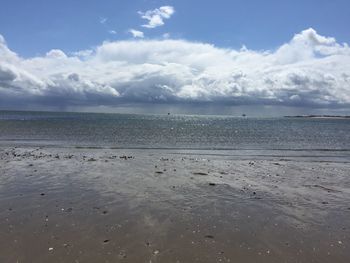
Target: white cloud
x=103, y=20
x=112, y=32
x=136, y=33
x=156, y=17
x=166, y=35
x=310, y=70
x=83, y=53
x=56, y=54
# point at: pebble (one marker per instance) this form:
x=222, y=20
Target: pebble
x=200, y=173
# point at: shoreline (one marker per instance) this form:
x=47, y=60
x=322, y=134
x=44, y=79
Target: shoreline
x=127, y=205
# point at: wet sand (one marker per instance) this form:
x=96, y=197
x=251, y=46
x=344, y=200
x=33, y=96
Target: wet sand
x=115, y=205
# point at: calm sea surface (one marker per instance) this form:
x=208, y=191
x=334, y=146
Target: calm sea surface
x=174, y=131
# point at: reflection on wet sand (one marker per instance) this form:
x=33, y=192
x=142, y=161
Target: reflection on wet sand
x=100, y=205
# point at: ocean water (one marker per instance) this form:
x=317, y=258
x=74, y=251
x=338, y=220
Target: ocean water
x=173, y=131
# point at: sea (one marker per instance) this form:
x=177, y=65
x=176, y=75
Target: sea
x=173, y=131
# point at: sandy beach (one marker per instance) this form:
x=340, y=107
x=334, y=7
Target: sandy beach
x=120, y=205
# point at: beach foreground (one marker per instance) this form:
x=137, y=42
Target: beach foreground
x=119, y=205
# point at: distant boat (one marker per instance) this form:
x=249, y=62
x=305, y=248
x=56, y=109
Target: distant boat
x=243, y=115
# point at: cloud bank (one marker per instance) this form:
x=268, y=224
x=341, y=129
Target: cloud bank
x=310, y=70
x=156, y=17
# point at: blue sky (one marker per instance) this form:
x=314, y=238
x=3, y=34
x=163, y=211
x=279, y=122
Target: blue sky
x=105, y=55
x=37, y=26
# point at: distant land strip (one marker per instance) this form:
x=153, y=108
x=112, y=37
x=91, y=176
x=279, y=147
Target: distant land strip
x=320, y=116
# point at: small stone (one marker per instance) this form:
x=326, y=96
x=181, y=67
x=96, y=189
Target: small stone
x=212, y=184
x=209, y=236
x=50, y=248
x=200, y=173
x=122, y=254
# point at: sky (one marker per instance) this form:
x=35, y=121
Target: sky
x=192, y=55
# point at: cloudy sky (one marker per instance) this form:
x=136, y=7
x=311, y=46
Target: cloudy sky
x=190, y=55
